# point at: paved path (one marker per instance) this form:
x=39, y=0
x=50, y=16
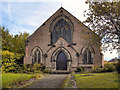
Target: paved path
x=51, y=81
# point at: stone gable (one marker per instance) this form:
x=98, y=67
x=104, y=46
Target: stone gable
x=63, y=34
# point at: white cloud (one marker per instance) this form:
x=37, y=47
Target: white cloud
x=17, y=29
x=76, y=7
x=109, y=56
x=35, y=19
x=27, y=14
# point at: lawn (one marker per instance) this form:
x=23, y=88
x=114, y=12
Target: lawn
x=9, y=79
x=97, y=80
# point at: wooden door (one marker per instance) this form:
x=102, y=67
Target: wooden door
x=61, y=62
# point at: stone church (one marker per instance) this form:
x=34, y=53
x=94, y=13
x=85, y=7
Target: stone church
x=63, y=43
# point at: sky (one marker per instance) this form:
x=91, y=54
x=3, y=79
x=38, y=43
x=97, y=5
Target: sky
x=28, y=15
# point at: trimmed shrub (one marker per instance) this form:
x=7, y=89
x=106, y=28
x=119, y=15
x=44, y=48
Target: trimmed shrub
x=46, y=71
x=32, y=68
x=98, y=70
x=117, y=66
x=79, y=69
x=109, y=67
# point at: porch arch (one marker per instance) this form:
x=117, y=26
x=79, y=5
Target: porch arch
x=58, y=50
x=56, y=54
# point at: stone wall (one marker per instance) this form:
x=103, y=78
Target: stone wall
x=82, y=36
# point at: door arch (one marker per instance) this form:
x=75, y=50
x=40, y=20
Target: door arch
x=61, y=61
x=61, y=51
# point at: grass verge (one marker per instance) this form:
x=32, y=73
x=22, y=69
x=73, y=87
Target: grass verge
x=10, y=79
x=66, y=82
x=97, y=80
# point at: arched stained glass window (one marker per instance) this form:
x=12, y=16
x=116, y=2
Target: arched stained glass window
x=39, y=61
x=61, y=29
x=87, y=55
x=36, y=56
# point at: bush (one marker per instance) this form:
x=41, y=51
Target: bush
x=11, y=62
x=79, y=69
x=8, y=61
x=97, y=70
x=32, y=68
x=46, y=71
x=109, y=67
x=17, y=68
x=117, y=66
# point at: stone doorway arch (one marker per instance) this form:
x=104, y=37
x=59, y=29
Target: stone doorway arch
x=55, y=56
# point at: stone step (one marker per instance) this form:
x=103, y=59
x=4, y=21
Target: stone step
x=60, y=72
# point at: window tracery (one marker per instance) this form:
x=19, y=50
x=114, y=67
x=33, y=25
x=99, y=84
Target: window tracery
x=61, y=29
x=87, y=55
x=36, y=56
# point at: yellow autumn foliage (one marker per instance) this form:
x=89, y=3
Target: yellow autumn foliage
x=8, y=61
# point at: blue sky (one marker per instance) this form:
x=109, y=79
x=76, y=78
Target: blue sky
x=28, y=15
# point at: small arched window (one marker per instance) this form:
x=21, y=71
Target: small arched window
x=87, y=55
x=36, y=55
x=39, y=57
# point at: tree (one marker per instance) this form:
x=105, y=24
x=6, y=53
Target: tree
x=16, y=43
x=0, y=38
x=6, y=39
x=104, y=19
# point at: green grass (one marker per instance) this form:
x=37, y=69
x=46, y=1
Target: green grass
x=66, y=82
x=97, y=80
x=9, y=79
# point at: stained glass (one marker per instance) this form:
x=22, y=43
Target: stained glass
x=87, y=56
x=61, y=29
x=39, y=61
x=37, y=56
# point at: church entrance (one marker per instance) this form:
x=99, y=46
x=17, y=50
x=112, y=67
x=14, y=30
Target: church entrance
x=61, y=61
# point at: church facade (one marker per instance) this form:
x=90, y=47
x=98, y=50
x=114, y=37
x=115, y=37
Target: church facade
x=63, y=43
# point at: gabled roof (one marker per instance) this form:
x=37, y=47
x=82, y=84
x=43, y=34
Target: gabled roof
x=68, y=13
x=76, y=19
